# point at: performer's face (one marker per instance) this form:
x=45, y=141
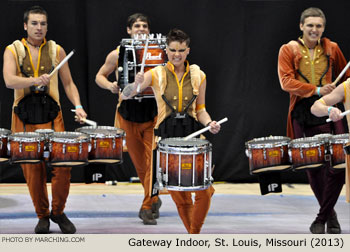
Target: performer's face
x=312, y=29
x=36, y=27
x=139, y=27
x=177, y=52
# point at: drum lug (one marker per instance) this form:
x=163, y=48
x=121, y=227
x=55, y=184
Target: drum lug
x=20, y=147
x=248, y=153
x=264, y=152
x=39, y=146
x=0, y=144
x=95, y=143
x=290, y=155
x=9, y=146
x=282, y=152
x=64, y=148
x=50, y=147
x=113, y=143
x=319, y=151
x=89, y=148
x=80, y=147
x=331, y=149
x=301, y=153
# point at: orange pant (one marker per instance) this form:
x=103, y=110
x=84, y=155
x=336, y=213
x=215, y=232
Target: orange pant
x=193, y=214
x=35, y=174
x=139, y=140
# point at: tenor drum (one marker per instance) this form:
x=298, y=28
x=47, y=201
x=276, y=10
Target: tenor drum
x=46, y=133
x=4, y=134
x=106, y=143
x=26, y=147
x=131, y=56
x=69, y=149
x=336, y=148
x=268, y=154
x=307, y=153
x=184, y=165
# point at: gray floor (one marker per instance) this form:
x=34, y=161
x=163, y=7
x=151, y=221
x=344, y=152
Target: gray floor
x=105, y=210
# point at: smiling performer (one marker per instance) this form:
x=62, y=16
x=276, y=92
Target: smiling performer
x=180, y=93
x=306, y=68
x=26, y=69
x=137, y=118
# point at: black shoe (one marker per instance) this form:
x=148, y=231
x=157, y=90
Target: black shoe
x=333, y=226
x=317, y=227
x=66, y=226
x=147, y=217
x=43, y=226
x=155, y=208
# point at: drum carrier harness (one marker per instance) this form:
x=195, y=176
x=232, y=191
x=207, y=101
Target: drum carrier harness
x=178, y=124
x=38, y=106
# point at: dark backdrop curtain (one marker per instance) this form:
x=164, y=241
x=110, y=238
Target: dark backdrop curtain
x=235, y=42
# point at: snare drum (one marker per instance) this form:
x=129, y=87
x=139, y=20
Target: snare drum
x=69, y=149
x=308, y=152
x=26, y=147
x=336, y=148
x=4, y=133
x=130, y=59
x=184, y=165
x=106, y=143
x=268, y=154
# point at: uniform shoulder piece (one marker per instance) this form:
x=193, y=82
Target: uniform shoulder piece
x=52, y=51
x=21, y=53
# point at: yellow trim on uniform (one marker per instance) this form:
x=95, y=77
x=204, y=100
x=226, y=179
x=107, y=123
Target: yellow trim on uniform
x=344, y=85
x=35, y=70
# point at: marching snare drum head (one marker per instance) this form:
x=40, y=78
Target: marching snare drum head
x=102, y=131
x=179, y=144
x=69, y=137
x=26, y=137
x=267, y=142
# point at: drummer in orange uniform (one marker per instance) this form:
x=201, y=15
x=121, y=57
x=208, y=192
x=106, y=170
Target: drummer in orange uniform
x=306, y=68
x=180, y=93
x=137, y=118
x=26, y=68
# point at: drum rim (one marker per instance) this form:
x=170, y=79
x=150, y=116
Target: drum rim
x=55, y=137
x=119, y=131
x=303, y=142
x=339, y=139
x=5, y=132
x=27, y=137
x=44, y=131
x=199, y=140
x=255, y=145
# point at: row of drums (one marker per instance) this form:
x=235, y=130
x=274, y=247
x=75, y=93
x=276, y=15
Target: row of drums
x=182, y=165
x=278, y=153
x=102, y=144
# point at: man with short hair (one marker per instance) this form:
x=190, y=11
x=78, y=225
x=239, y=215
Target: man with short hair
x=306, y=68
x=137, y=118
x=26, y=68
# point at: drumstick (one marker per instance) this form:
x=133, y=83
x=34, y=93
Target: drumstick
x=204, y=129
x=143, y=63
x=342, y=114
x=342, y=73
x=61, y=64
x=87, y=121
